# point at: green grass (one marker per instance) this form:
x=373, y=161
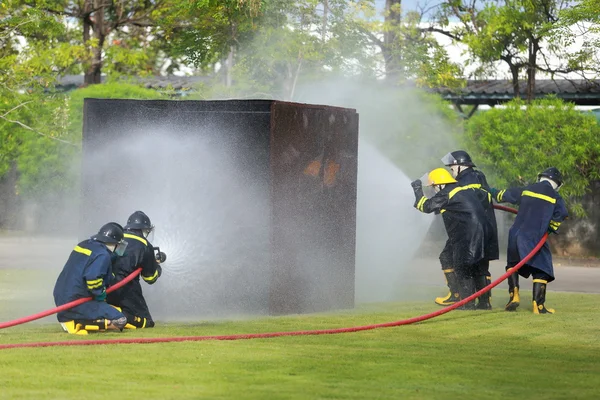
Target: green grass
x=466, y=355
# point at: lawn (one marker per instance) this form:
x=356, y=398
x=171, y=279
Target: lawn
x=478, y=355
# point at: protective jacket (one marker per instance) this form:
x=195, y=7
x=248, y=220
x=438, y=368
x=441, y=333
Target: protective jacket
x=476, y=179
x=464, y=219
x=87, y=273
x=130, y=298
x=541, y=210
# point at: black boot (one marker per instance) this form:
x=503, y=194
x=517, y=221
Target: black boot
x=485, y=299
x=135, y=322
x=539, y=297
x=453, y=295
x=467, y=288
x=513, y=291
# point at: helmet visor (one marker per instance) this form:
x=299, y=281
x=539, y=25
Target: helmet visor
x=449, y=159
x=425, y=180
x=120, y=249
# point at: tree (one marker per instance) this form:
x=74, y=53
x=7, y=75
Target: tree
x=214, y=33
x=515, y=143
x=106, y=25
x=524, y=34
x=409, y=50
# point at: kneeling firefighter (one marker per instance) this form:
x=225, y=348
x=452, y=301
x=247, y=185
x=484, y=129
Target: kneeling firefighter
x=466, y=224
x=140, y=253
x=541, y=210
x=88, y=272
x=463, y=170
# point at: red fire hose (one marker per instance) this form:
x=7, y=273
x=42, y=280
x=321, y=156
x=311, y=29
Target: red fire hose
x=279, y=334
x=67, y=306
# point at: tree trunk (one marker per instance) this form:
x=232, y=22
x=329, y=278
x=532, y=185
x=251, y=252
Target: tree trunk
x=393, y=19
x=324, y=23
x=514, y=71
x=532, y=68
x=93, y=75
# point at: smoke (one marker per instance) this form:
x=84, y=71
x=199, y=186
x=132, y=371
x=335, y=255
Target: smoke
x=208, y=209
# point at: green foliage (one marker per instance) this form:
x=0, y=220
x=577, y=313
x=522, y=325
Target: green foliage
x=413, y=128
x=105, y=91
x=513, y=144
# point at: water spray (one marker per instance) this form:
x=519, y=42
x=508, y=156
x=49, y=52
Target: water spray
x=293, y=333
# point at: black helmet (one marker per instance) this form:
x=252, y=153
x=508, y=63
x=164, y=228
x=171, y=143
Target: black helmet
x=138, y=220
x=552, y=173
x=111, y=233
x=458, y=157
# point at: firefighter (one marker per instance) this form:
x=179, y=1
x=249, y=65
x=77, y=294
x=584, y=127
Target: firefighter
x=463, y=170
x=541, y=210
x=140, y=253
x=88, y=272
x=466, y=225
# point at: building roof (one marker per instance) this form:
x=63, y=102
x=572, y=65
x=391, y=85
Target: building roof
x=491, y=92
x=151, y=82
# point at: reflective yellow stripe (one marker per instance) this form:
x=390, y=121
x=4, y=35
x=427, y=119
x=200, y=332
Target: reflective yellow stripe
x=539, y=196
x=130, y=236
x=460, y=188
x=500, y=194
x=555, y=224
x=489, y=197
x=150, y=278
x=95, y=286
x=144, y=325
x=442, y=211
x=473, y=186
x=540, y=281
x=447, y=271
x=81, y=250
x=421, y=202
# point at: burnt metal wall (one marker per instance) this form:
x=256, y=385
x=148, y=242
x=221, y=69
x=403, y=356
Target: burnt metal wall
x=314, y=174
x=254, y=201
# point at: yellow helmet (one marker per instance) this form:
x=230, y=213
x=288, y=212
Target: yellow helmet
x=440, y=176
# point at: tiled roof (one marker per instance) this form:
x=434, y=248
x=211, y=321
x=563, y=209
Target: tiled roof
x=151, y=82
x=542, y=87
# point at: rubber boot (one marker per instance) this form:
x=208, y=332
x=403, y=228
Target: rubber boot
x=135, y=322
x=513, y=291
x=454, y=294
x=467, y=288
x=73, y=328
x=93, y=325
x=485, y=299
x=539, y=297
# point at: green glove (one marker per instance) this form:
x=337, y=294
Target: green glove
x=101, y=296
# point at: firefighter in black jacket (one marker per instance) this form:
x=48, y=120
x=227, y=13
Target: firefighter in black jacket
x=541, y=210
x=140, y=253
x=463, y=170
x=465, y=222
x=88, y=273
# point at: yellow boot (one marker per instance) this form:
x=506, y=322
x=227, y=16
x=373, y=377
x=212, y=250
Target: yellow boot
x=72, y=328
x=453, y=295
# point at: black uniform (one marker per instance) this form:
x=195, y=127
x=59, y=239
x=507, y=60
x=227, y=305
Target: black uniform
x=541, y=209
x=130, y=297
x=466, y=224
x=86, y=273
x=476, y=179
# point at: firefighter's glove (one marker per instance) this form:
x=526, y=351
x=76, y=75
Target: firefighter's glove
x=101, y=296
x=416, y=184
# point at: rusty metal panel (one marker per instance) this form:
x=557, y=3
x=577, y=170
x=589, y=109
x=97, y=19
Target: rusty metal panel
x=313, y=194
